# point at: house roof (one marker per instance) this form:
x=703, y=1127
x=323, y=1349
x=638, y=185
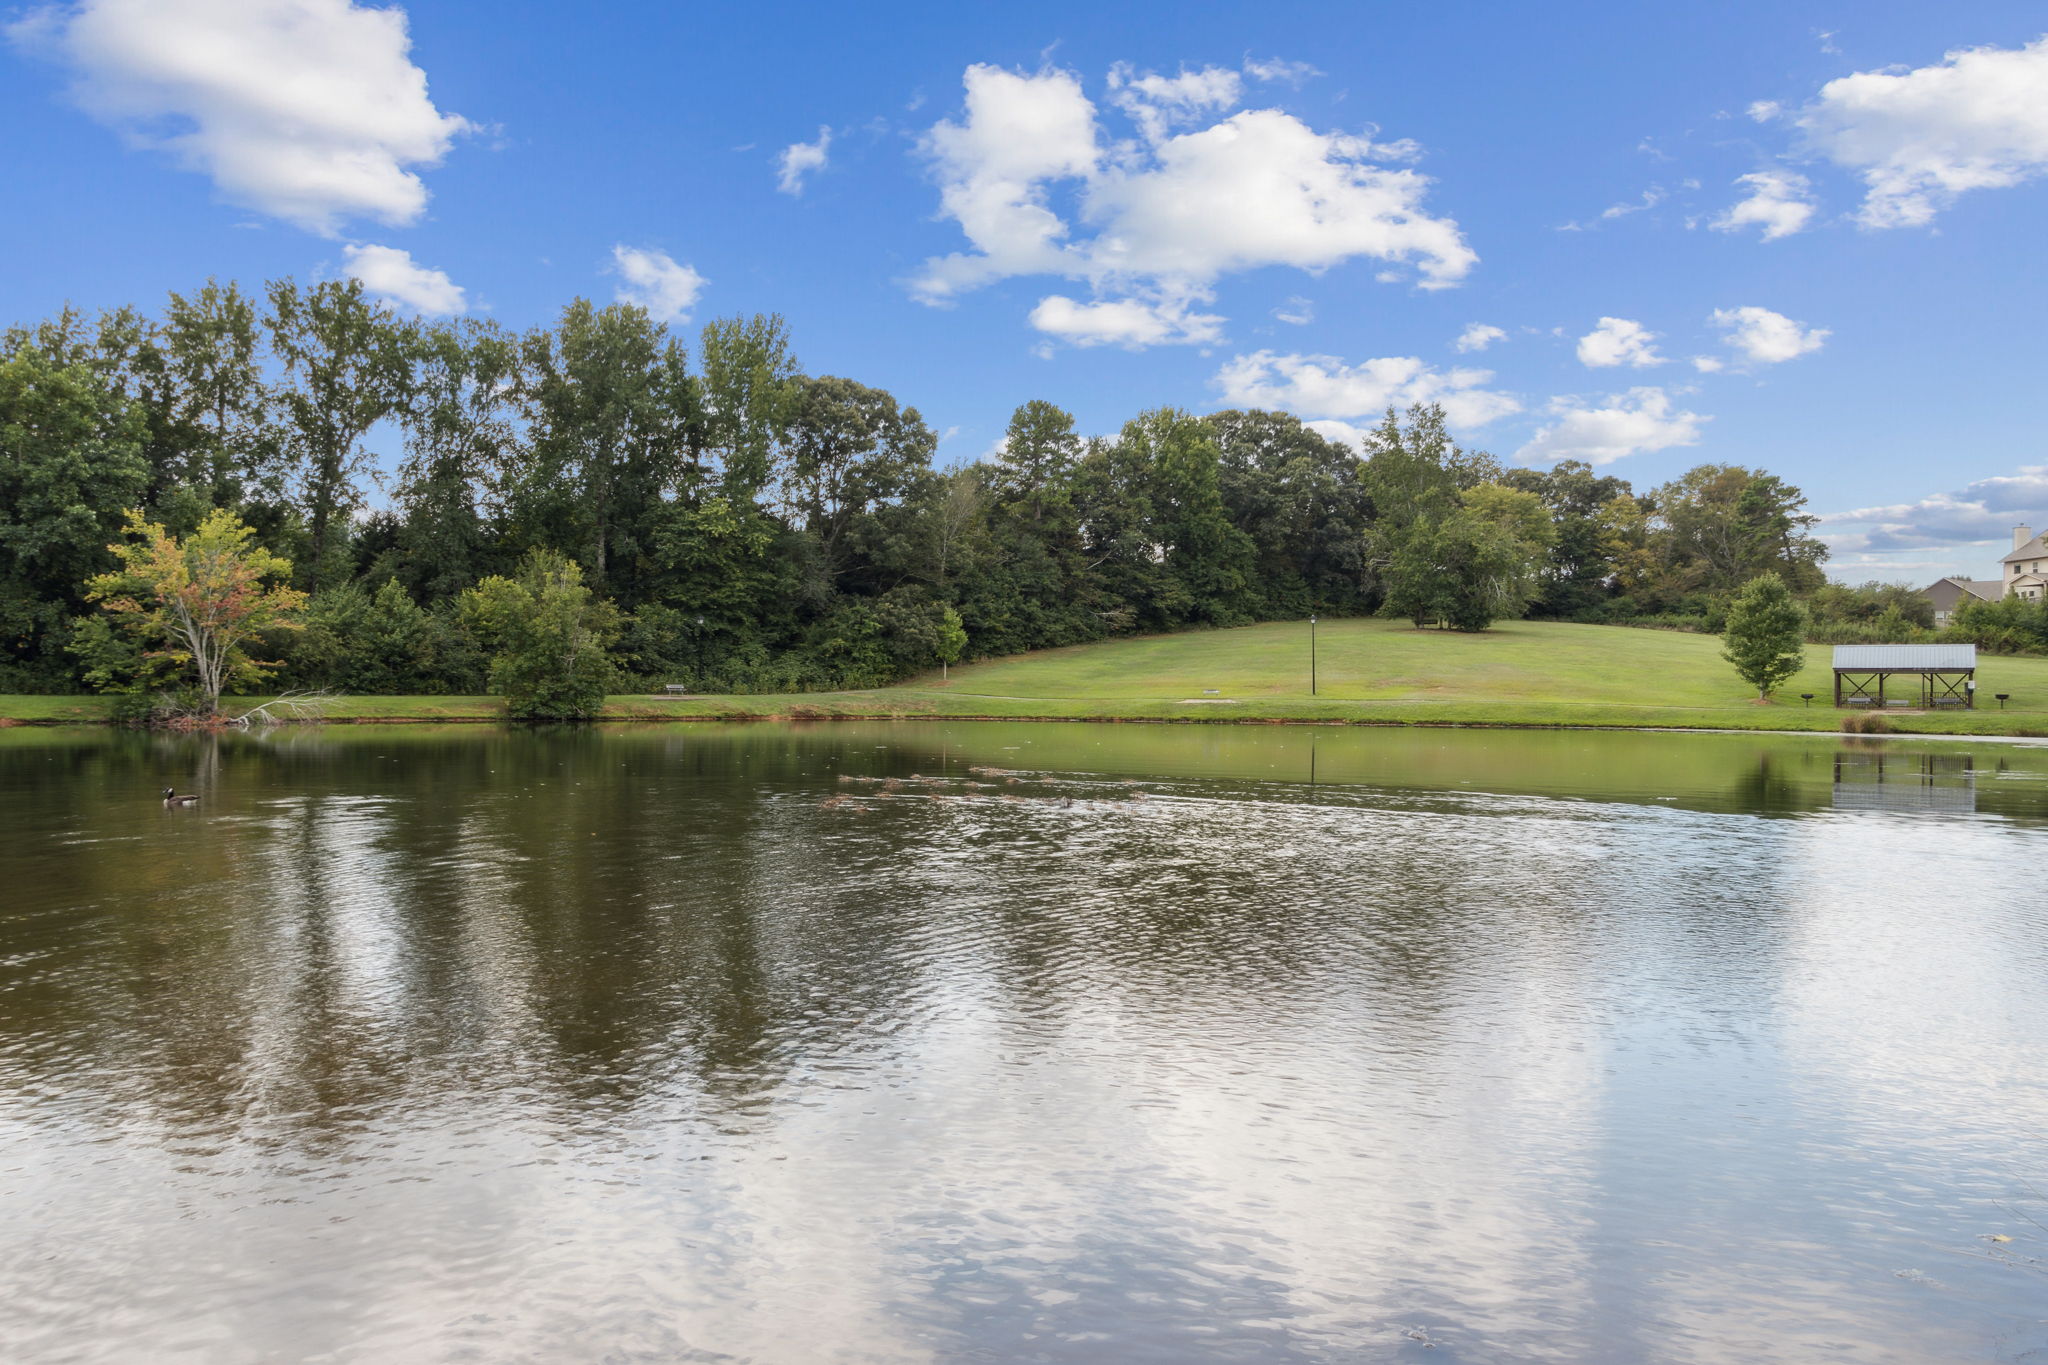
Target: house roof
x=2037, y=548
x=1990, y=589
x=1905, y=658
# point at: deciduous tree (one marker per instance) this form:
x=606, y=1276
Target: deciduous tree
x=550, y=639
x=347, y=362
x=612, y=406
x=196, y=604
x=1766, y=634
x=70, y=461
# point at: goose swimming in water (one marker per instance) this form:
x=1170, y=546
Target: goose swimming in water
x=171, y=798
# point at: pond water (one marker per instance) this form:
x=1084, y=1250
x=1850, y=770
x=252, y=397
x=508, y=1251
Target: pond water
x=930, y=1043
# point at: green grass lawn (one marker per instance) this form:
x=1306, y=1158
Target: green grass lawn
x=1520, y=673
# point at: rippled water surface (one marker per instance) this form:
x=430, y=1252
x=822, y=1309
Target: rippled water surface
x=930, y=1043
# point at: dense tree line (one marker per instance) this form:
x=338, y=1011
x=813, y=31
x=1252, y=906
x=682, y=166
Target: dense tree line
x=743, y=525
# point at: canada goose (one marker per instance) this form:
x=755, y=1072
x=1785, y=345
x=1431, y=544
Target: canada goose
x=171, y=798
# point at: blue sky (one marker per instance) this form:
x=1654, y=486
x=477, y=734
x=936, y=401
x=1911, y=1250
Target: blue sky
x=1803, y=237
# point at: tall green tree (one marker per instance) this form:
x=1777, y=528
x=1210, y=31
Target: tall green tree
x=611, y=406
x=216, y=398
x=1209, y=559
x=1298, y=497
x=70, y=462
x=1022, y=583
x=347, y=363
x=1723, y=525
x=462, y=442
x=1580, y=570
x=1125, y=585
x=1031, y=479
x=1476, y=565
x=1414, y=475
x=1766, y=634
x=749, y=391
x=856, y=458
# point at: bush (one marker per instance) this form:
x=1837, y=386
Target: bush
x=1893, y=606
x=1692, y=625
x=550, y=639
x=1867, y=633
x=2010, y=626
x=380, y=643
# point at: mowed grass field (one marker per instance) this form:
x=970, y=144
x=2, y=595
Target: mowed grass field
x=1367, y=671
x=1521, y=672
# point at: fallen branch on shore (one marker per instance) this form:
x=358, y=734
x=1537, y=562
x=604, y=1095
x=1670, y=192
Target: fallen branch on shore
x=289, y=709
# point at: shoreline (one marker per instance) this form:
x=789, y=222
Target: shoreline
x=1520, y=675
x=805, y=712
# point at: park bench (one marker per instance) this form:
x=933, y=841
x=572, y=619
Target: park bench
x=675, y=690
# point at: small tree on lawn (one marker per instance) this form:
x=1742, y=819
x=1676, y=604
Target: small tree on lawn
x=194, y=604
x=952, y=641
x=1766, y=634
x=550, y=639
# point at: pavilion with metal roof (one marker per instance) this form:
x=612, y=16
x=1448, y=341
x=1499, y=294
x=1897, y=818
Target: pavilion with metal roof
x=1940, y=675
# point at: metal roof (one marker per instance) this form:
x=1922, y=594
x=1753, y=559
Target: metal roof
x=1905, y=658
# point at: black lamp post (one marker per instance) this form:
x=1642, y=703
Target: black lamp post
x=1311, y=656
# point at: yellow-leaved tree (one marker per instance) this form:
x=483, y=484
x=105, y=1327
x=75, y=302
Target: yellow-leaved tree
x=194, y=605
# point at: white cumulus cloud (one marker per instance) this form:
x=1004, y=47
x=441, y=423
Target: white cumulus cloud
x=1779, y=201
x=799, y=159
x=1324, y=387
x=1159, y=103
x=1764, y=337
x=1478, y=336
x=308, y=110
x=656, y=282
x=1038, y=188
x=1978, y=119
x=1131, y=323
x=392, y=274
x=1618, y=341
x=1638, y=422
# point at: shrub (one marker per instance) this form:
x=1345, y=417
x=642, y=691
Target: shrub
x=550, y=639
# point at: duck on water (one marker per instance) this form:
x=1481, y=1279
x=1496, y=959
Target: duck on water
x=171, y=798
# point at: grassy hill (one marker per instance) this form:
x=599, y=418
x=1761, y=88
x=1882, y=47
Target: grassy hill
x=1384, y=672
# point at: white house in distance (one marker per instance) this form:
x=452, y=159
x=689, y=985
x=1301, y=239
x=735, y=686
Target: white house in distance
x=2025, y=574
